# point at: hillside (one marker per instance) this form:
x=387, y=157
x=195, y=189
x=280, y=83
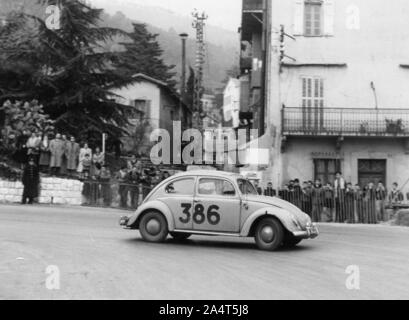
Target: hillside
x=219, y=57
x=222, y=45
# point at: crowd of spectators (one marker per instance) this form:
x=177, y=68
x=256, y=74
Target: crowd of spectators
x=339, y=201
x=60, y=156
x=134, y=181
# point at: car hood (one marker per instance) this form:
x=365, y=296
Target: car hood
x=282, y=204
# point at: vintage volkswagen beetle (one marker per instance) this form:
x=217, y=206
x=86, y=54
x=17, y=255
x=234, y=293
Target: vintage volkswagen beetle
x=218, y=203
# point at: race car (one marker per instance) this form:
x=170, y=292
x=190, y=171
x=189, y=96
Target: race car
x=215, y=203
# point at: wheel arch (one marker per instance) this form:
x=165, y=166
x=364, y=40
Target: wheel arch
x=248, y=229
x=156, y=206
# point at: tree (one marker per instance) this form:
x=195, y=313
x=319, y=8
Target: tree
x=143, y=54
x=19, y=117
x=67, y=69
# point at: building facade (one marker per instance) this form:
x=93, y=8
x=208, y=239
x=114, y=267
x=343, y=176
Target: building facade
x=337, y=73
x=156, y=106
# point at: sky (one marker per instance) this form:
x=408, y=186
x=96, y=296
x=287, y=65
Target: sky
x=222, y=13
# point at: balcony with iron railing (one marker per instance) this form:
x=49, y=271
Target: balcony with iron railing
x=345, y=122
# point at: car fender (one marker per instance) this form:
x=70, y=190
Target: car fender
x=282, y=215
x=152, y=205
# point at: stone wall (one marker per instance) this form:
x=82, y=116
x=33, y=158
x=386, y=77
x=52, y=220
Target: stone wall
x=52, y=191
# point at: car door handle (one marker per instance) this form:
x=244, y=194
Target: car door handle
x=197, y=201
x=246, y=206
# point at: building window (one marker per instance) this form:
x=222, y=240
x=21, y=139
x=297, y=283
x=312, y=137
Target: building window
x=143, y=107
x=313, y=103
x=371, y=171
x=313, y=18
x=325, y=169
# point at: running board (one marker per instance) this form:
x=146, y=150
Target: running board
x=206, y=233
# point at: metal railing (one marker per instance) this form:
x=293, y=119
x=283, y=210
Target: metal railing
x=345, y=206
x=345, y=122
x=323, y=205
x=114, y=194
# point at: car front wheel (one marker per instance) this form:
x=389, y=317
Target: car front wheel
x=153, y=227
x=269, y=234
x=291, y=242
x=180, y=236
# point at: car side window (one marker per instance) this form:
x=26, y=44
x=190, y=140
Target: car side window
x=181, y=187
x=217, y=187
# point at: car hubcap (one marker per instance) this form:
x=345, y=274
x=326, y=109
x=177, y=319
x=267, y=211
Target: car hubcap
x=153, y=227
x=267, y=234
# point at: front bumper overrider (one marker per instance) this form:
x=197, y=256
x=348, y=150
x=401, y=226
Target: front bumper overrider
x=310, y=232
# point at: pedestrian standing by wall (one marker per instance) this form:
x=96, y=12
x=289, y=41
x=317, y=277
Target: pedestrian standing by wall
x=33, y=147
x=395, y=196
x=31, y=180
x=45, y=155
x=105, y=178
x=381, y=194
x=134, y=180
x=350, y=203
x=98, y=160
x=57, y=149
x=296, y=194
x=86, y=167
x=270, y=192
x=72, y=152
x=339, y=193
x=328, y=203
x=21, y=145
x=306, y=204
x=121, y=177
x=63, y=169
x=284, y=193
x=370, y=204
x=84, y=151
x=318, y=199
x=359, y=200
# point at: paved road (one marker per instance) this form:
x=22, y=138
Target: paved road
x=97, y=259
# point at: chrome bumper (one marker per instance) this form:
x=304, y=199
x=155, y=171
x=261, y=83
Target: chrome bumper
x=311, y=232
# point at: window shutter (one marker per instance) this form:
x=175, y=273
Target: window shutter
x=298, y=27
x=329, y=12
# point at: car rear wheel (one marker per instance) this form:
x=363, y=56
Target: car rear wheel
x=178, y=236
x=269, y=234
x=291, y=242
x=153, y=227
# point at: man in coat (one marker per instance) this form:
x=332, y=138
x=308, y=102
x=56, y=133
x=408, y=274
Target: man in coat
x=31, y=179
x=57, y=149
x=72, y=152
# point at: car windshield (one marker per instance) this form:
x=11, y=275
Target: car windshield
x=246, y=187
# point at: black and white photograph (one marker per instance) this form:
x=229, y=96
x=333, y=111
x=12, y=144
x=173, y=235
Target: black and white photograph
x=184, y=151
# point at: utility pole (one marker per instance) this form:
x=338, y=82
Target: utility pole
x=183, y=36
x=198, y=24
